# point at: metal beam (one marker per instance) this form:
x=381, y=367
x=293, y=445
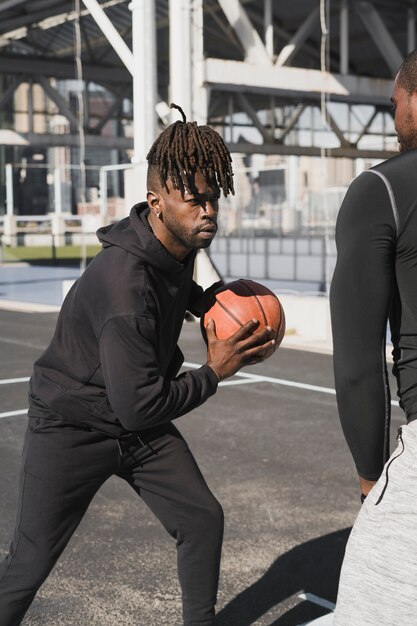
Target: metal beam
x=251, y=113
x=31, y=18
x=255, y=51
x=294, y=117
x=367, y=126
x=109, y=113
x=11, y=4
x=11, y=138
x=380, y=34
x=5, y=97
x=111, y=33
x=296, y=42
x=16, y=64
x=60, y=102
x=335, y=128
x=283, y=149
x=294, y=82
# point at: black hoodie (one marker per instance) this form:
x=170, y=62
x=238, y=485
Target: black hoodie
x=113, y=360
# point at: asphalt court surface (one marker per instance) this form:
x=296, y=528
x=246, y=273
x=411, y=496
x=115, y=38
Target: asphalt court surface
x=273, y=454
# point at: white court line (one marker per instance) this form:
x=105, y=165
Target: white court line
x=243, y=378
x=226, y=383
x=13, y=413
x=311, y=597
x=10, y=381
x=278, y=381
x=325, y=620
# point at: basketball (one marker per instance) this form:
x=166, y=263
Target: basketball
x=238, y=302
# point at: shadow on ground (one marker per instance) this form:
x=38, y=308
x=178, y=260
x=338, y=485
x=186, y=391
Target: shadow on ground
x=313, y=567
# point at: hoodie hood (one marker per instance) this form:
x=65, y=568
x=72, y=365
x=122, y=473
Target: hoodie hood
x=135, y=235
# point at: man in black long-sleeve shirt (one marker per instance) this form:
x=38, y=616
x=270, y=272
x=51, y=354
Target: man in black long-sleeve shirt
x=105, y=391
x=375, y=280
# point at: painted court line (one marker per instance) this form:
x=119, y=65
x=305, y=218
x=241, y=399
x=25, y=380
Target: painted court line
x=276, y=381
x=13, y=413
x=243, y=378
x=10, y=381
x=227, y=383
x=311, y=597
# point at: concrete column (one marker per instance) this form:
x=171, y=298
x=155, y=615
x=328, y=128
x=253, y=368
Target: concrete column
x=144, y=77
x=180, y=58
x=186, y=60
x=344, y=37
x=200, y=93
x=269, y=28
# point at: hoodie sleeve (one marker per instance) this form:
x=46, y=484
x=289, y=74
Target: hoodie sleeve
x=140, y=396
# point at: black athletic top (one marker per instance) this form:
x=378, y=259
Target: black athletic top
x=375, y=280
x=113, y=362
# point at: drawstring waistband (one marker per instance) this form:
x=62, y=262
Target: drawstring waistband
x=400, y=438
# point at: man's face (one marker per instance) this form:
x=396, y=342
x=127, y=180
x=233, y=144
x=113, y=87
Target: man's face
x=405, y=106
x=190, y=221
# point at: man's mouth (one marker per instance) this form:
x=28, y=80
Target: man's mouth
x=208, y=229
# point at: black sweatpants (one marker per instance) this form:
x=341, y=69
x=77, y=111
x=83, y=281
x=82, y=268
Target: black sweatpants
x=64, y=466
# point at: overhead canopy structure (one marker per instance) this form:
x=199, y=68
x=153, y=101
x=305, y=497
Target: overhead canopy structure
x=257, y=68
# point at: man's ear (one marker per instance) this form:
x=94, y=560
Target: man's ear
x=154, y=203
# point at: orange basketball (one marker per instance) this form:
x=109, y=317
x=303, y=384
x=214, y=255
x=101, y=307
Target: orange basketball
x=242, y=300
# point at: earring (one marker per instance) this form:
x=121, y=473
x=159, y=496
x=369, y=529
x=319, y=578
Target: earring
x=158, y=215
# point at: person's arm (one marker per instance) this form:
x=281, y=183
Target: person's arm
x=360, y=298
x=200, y=300
x=141, y=396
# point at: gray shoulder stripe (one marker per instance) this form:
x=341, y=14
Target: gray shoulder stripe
x=391, y=196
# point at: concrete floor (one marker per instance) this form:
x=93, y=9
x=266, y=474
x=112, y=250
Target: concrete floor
x=275, y=457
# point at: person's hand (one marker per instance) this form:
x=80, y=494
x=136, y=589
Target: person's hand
x=366, y=485
x=246, y=347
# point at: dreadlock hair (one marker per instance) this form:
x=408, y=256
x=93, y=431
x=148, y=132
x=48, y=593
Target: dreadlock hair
x=407, y=74
x=183, y=148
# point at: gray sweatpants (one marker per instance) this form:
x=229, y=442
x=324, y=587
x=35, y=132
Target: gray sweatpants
x=378, y=583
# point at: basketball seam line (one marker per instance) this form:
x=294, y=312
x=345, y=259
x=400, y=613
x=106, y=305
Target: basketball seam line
x=252, y=292
x=229, y=313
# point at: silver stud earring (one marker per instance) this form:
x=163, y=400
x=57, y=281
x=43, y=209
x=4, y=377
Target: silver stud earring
x=158, y=215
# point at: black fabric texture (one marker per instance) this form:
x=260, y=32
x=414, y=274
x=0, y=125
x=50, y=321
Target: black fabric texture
x=375, y=281
x=113, y=362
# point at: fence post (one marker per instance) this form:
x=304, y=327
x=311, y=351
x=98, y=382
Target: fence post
x=266, y=254
x=323, y=284
x=9, y=189
x=57, y=190
x=53, y=249
x=103, y=192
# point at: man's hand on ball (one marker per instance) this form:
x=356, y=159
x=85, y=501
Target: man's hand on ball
x=246, y=347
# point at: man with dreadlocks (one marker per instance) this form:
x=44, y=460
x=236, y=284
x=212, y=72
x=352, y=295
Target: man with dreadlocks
x=104, y=393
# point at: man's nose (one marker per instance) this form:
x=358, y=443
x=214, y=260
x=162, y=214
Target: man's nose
x=210, y=209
